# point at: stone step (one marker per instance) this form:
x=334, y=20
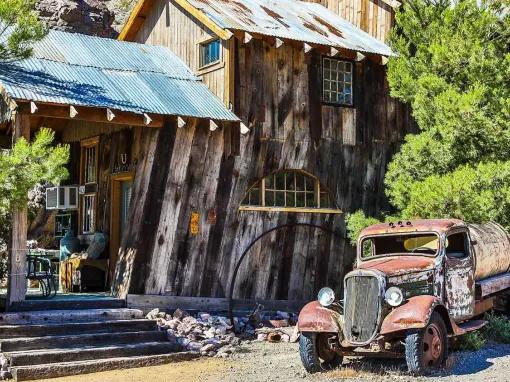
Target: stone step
x=14, y=331
x=32, y=372
x=46, y=356
x=66, y=316
x=70, y=304
x=74, y=341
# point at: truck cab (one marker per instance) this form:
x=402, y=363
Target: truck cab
x=414, y=284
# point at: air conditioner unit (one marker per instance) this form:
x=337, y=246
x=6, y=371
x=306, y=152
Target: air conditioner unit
x=62, y=198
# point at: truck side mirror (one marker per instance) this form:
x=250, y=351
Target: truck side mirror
x=474, y=242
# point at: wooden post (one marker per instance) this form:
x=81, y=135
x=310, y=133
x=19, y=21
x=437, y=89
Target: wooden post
x=16, y=263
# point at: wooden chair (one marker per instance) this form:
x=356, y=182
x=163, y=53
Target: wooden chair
x=40, y=269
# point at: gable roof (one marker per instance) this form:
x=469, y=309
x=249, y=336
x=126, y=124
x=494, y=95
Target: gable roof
x=74, y=69
x=295, y=20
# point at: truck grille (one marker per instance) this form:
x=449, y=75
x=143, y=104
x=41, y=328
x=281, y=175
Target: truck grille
x=362, y=304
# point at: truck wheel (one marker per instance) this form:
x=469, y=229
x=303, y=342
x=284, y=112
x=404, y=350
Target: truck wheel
x=427, y=349
x=315, y=353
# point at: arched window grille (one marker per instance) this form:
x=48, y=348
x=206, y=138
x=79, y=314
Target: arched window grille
x=289, y=190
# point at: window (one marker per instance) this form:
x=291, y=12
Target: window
x=404, y=244
x=210, y=52
x=88, y=213
x=337, y=81
x=288, y=191
x=456, y=246
x=89, y=160
x=88, y=179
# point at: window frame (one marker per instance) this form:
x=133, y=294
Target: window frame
x=90, y=187
x=201, y=56
x=318, y=190
x=353, y=82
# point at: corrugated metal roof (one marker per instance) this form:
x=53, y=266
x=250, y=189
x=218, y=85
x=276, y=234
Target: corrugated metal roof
x=290, y=19
x=75, y=69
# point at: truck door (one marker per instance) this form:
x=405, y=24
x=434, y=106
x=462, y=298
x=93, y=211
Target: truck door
x=459, y=276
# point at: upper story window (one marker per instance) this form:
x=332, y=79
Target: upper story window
x=210, y=52
x=337, y=81
x=291, y=191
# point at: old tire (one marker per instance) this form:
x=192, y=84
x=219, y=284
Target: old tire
x=427, y=349
x=315, y=355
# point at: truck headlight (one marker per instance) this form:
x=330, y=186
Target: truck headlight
x=326, y=296
x=394, y=296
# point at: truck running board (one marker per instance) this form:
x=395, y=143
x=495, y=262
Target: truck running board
x=469, y=326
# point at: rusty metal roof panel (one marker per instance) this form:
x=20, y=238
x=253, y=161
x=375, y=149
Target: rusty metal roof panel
x=74, y=69
x=290, y=19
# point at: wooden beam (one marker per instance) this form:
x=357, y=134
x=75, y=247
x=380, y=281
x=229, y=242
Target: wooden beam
x=360, y=56
x=307, y=47
x=133, y=21
x=278, y=42
x=17, y=253
x=72, y=111
x=212, y=125
x=244, y=129
x=33, y=107
x=181, y=122
x=146, y=119
x=384, y=60
x=109, y=115
x=92, y=114
x=224, y=34
x=247, y=37
x=334, y=51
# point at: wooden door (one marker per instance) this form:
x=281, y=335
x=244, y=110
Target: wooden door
x=120, y=207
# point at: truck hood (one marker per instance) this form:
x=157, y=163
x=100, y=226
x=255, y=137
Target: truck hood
x=397, y=265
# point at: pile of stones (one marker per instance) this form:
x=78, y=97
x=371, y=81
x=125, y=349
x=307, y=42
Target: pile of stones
x=214, y=336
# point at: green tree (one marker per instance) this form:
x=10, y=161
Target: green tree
x=27, y=164
x=453, y=67
x=19, y=28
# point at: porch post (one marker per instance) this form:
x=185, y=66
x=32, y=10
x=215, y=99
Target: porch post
x=16, y=263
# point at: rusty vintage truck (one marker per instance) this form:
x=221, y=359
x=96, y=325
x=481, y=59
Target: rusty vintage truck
x=415, y=284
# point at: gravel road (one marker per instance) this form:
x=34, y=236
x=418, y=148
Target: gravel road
x=268, y=362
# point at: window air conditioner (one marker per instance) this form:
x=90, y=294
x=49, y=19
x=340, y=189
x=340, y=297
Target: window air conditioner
x=62, y=198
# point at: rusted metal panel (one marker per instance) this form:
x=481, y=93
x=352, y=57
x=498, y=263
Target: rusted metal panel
x=460, y=291
x=483, y=306
x=420, y=225
x=492, y=285
x=414, y=314
x=289, y=19
x=316, y=318
x=492, y=249
x=393, y=266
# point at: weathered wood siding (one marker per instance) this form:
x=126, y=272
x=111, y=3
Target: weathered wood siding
x=168, y=25
x=375, y=17
x=185, y=172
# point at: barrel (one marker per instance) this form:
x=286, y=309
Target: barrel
x=491, y=243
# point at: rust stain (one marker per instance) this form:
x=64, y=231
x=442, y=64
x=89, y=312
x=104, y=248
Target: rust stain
x=414, y=313
x=399, y=264
x=313, y=28
x=194, y=223
x=274, y=15
x=330, y=27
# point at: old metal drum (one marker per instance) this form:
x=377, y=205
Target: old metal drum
x=492, y=249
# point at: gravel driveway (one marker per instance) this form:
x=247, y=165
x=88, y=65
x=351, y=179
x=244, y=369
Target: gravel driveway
x=266, y=362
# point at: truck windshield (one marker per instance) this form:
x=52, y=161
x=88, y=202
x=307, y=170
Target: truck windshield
x=405, y=244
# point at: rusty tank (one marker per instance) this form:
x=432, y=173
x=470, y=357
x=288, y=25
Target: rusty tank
x=491, y=244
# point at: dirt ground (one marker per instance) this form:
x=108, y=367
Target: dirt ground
x=267, y=362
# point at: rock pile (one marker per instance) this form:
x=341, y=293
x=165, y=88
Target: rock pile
x=214, y=336
x=206, y=334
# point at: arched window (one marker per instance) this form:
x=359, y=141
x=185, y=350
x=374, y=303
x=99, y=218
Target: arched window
x=289, y=190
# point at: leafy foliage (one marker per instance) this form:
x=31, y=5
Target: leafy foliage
x=19, y=28
x=356, y=222
x=453, y=68
x=471, y=341
x=26, y=165
x=497, y=328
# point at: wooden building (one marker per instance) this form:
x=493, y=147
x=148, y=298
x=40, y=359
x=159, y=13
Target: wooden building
x=120, y=107
x=310, y=90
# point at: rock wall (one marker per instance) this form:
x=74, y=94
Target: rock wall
x=92, y=17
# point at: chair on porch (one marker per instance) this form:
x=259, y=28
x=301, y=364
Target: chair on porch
x=40, y=269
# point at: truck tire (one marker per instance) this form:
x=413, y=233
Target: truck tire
x=315, y=355
x=427, y=349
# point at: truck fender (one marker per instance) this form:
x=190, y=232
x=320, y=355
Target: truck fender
x=415, y=314
x=316, y=318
